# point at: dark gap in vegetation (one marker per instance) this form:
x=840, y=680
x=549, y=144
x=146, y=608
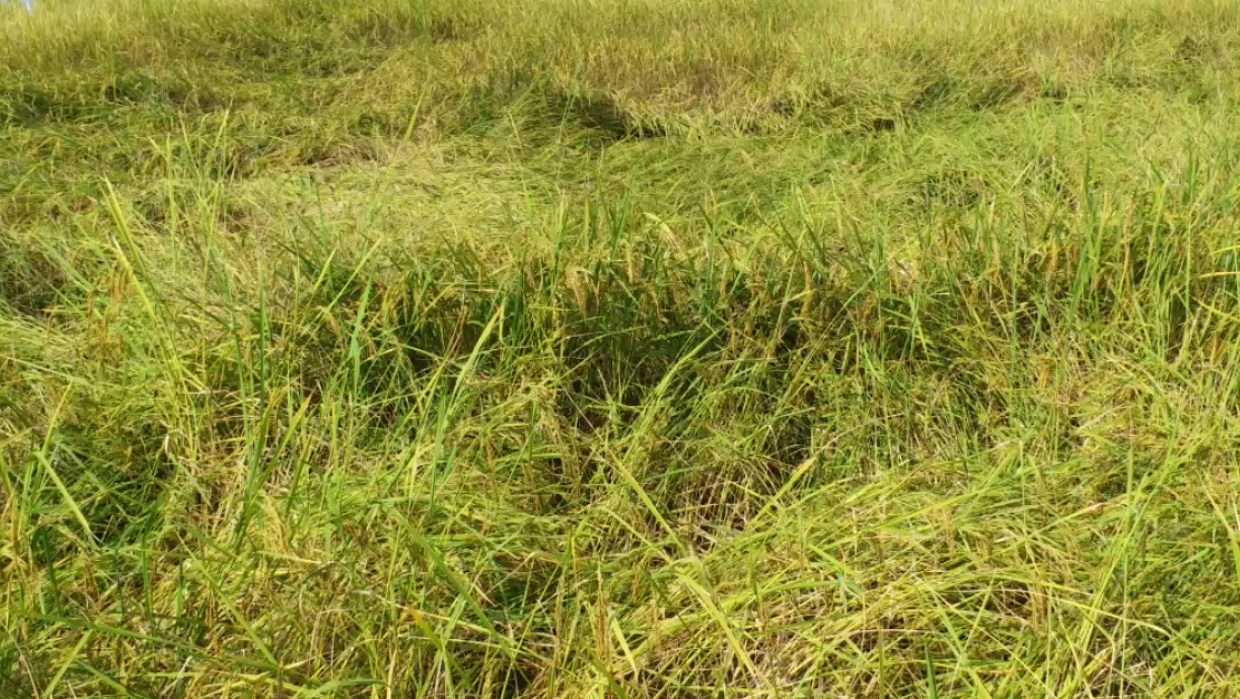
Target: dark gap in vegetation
x=598, y=114
x=31, y=282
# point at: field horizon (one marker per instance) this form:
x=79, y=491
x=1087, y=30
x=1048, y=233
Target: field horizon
x=619, y=348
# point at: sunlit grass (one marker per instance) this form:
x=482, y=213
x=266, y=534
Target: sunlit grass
x=619, y=349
